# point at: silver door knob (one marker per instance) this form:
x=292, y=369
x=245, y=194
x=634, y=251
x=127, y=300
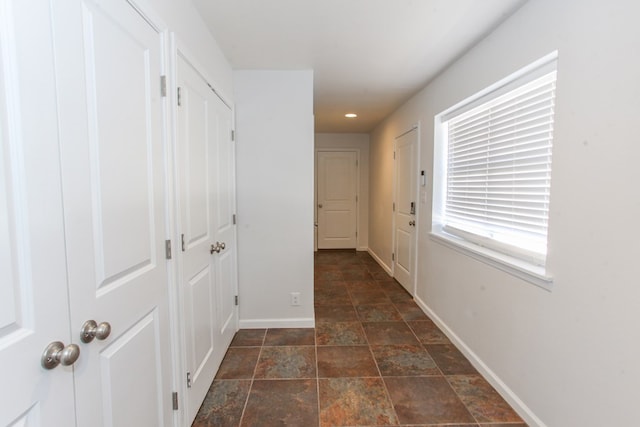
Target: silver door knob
x=222, y=246
x=56, y=353
x=320, y=205
x=91, y=330
x=215, y=248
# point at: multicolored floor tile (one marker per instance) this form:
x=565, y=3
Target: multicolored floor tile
x=404, y=360
x=346, y=361
x=340, y=333
x=374, y=358
x=354, y=402
x=450, y=360
x=239, y=363
x=484, y=403
x=388, y=333
x=286, y=362
x=290, y=336
x=428, y=400
x=224, y=404
x=282, y=403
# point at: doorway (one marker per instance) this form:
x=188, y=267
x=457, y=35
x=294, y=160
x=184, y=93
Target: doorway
x=337, y=199
x=405, y=209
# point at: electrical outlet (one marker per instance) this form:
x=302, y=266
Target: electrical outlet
x=295, y=298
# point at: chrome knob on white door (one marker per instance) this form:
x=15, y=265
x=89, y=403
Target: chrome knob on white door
x=217, y=247
x=56, y=353
x=91, y=330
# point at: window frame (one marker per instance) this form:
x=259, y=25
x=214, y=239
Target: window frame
x=520, y=263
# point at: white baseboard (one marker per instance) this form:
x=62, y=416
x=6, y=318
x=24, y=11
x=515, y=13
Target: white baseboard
x=518, y=405
x=307, y=322
x=379, y=261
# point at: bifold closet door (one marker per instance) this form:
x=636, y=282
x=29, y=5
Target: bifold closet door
x=206, y=199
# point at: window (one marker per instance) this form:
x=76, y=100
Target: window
x=494, y=151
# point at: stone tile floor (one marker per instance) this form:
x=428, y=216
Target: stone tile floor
x=374, y=359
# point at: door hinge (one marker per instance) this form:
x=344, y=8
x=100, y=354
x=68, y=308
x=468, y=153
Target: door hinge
x=394, y=155
x=179, y=96
x=233, y=217
x=394, y=206
x=356, y=162
x=174, y=399
x=356, y=233
x=233, y=135
x=163, y=86
x=167, y=249
x=182, y=241
x=356, y=199
x=236, y=300
x=393, y=257
x=188, y=379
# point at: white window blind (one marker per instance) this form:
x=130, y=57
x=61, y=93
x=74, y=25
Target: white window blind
x=498, y=170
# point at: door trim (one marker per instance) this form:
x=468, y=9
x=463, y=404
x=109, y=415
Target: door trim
x=315, y=193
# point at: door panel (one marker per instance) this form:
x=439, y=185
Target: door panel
x=109, y=67
x=122, y=371
x=337, y=191
x=226, y=260
x=33, y=289
x=196, y=177
x=405, y=216
x=207, y=199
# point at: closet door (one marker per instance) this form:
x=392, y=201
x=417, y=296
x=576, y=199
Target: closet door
x=205, y=224
x=109, y=66
x=33, y=289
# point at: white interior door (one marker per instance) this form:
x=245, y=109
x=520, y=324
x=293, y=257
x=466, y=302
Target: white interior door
x=337, y=199
x=406, y=165
x=207, y=199
x=33, y=289
x=227, y=258
x=109, y=66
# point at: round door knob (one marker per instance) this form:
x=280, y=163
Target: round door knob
x=56, y=353
x=320, y=205
x=222, y=246
x=91, y=330
x=215, y=248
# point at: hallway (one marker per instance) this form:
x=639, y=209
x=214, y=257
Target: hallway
x=374, y=358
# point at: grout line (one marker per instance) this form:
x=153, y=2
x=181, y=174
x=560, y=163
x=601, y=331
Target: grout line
x=246, y=402
x=315, y=342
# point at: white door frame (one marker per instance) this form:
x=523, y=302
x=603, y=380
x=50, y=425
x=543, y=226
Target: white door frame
x=315, y=193
x=415, y=127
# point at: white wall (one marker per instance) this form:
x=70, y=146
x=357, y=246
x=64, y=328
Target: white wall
x=181, y=18
x=568, y=357
x=274, y=123
x=359, y=142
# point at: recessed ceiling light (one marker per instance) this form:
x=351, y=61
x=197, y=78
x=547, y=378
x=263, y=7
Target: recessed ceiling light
x=351, y=115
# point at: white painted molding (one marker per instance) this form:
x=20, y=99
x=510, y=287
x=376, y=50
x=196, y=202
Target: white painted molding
x=305, y=322
x=518, y=405
x=379, y=261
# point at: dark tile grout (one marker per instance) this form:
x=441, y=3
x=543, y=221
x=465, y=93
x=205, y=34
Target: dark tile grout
x=390, y=290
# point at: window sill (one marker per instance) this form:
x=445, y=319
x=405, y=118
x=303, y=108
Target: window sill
x=516, y=267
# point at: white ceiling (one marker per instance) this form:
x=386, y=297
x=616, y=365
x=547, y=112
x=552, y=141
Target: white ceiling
x=368, y=56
